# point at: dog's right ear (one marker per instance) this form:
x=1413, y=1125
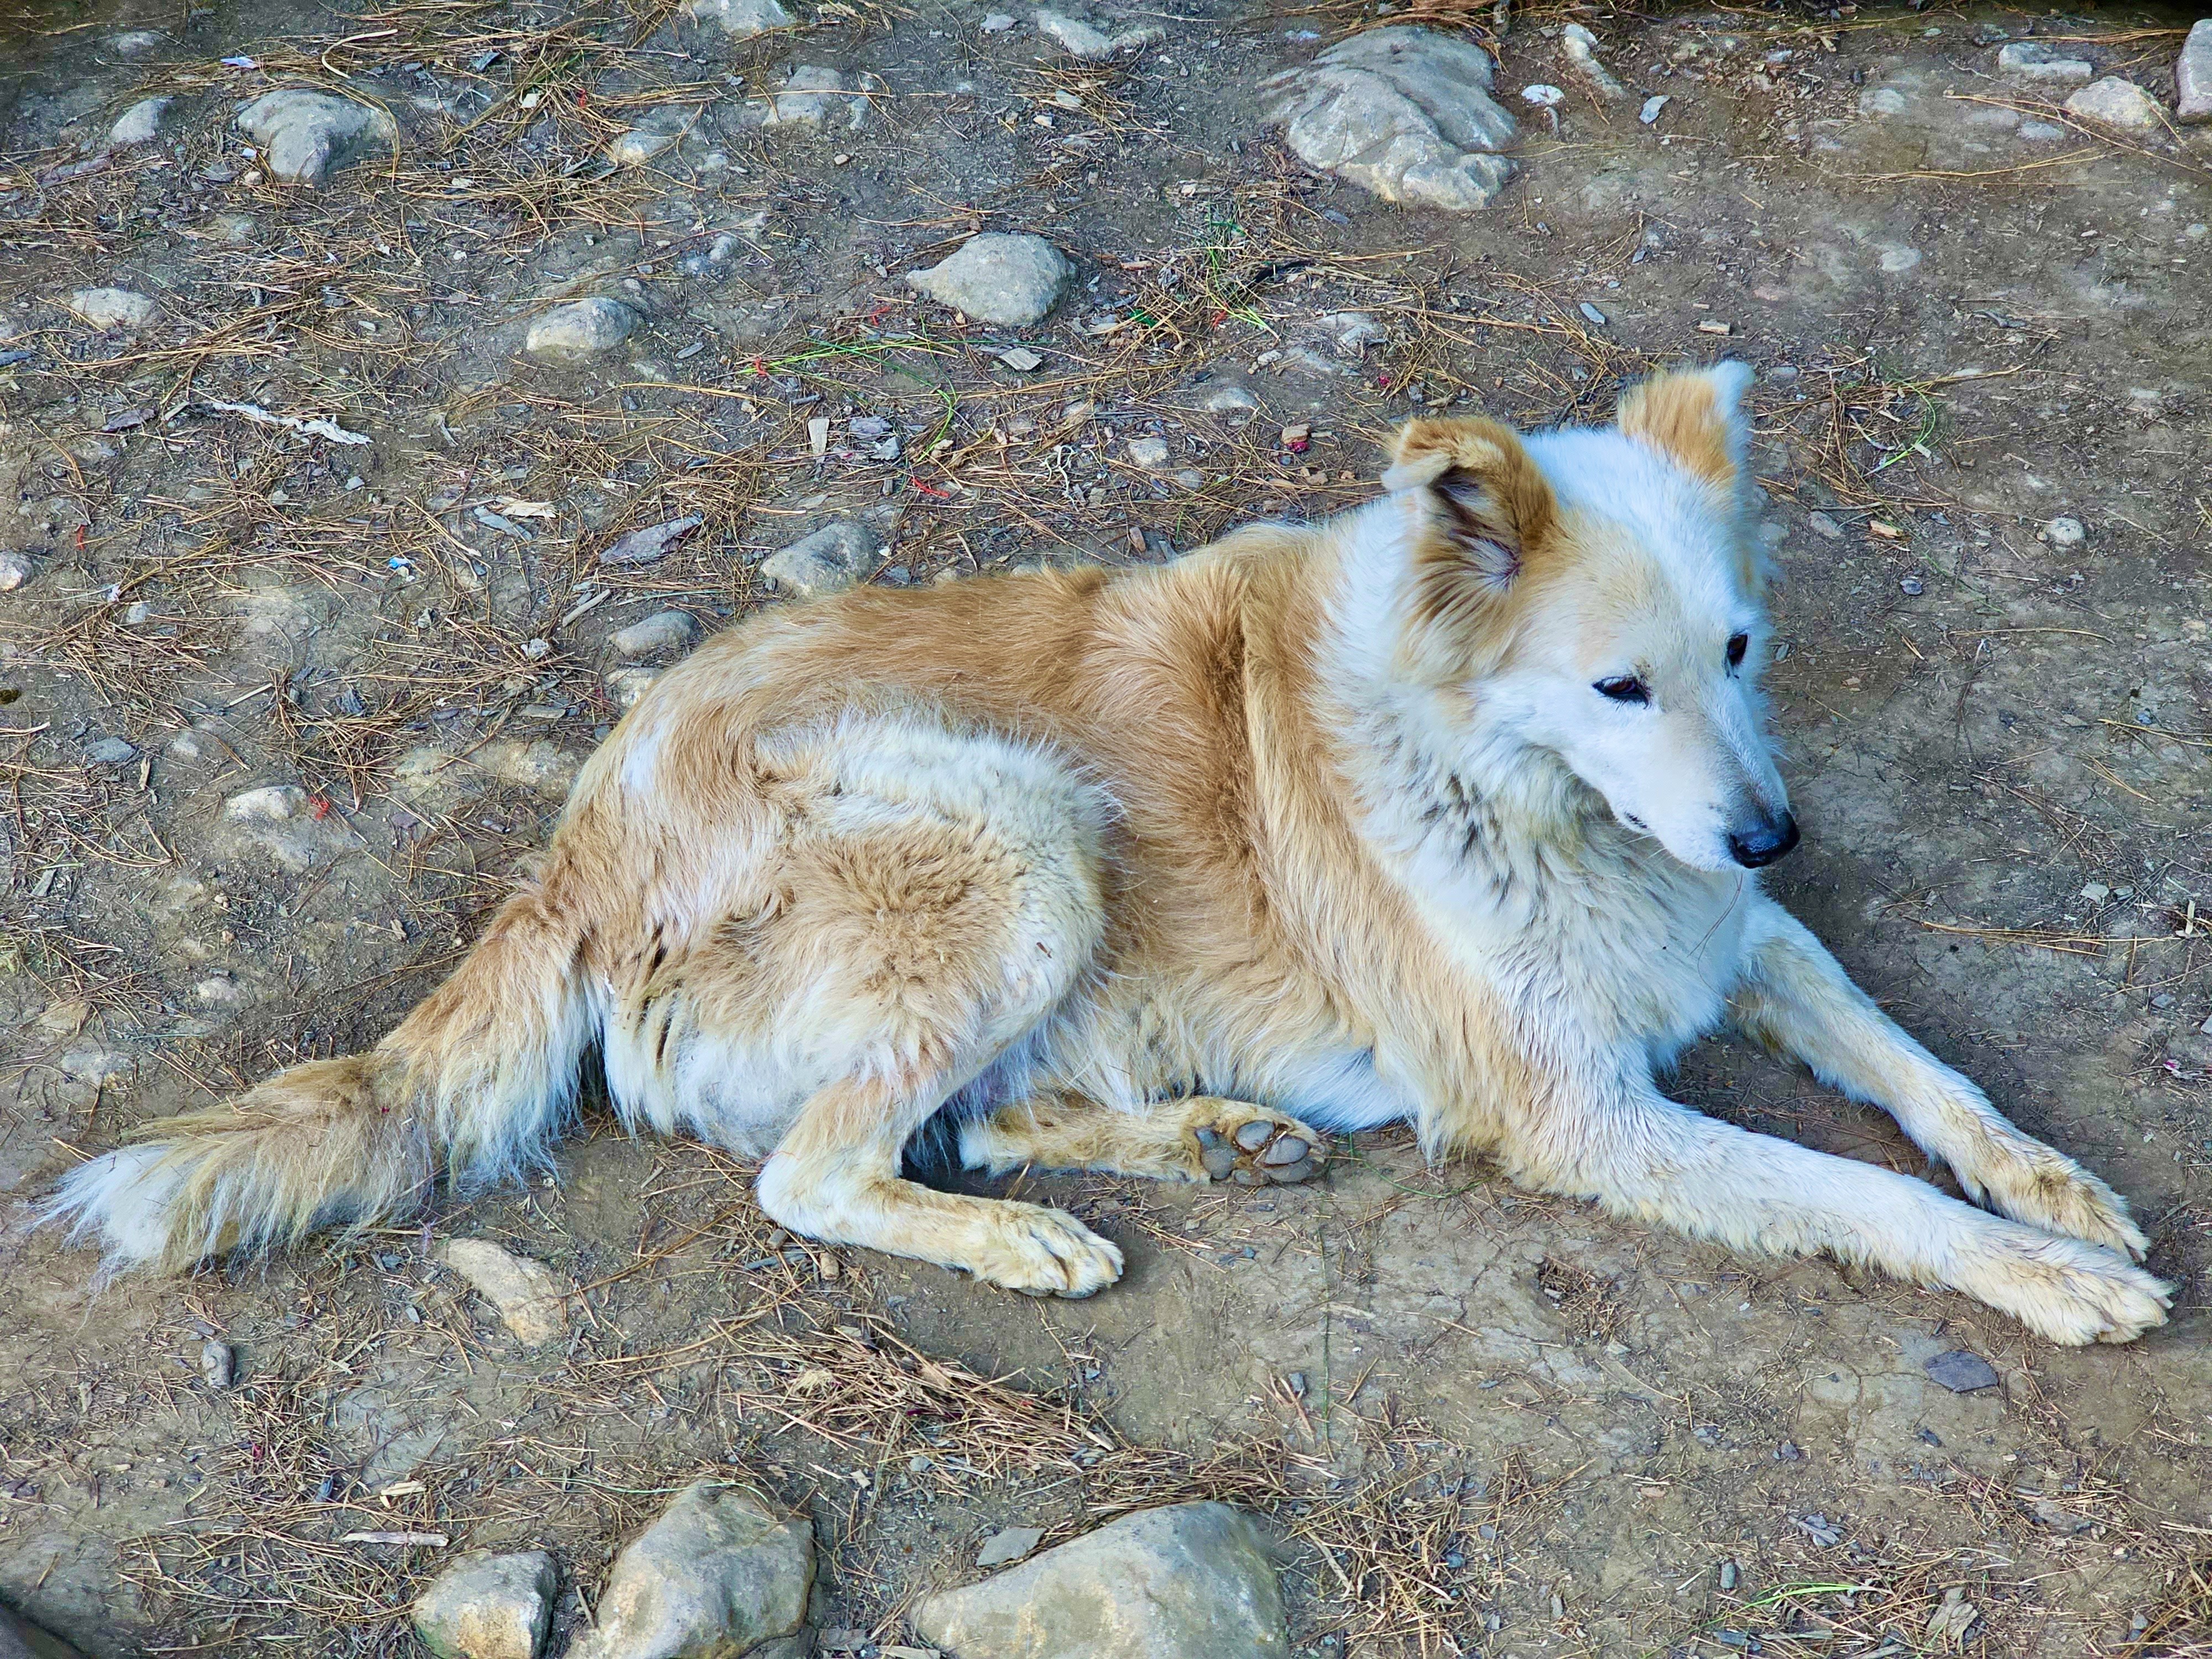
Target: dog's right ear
x=1479, y=512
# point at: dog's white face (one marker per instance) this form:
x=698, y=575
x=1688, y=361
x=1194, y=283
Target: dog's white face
x=1607, y=610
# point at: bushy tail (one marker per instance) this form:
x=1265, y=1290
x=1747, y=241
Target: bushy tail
x=475, y=1083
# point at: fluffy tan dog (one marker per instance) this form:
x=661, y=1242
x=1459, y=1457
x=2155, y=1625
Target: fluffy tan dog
x=1444, y=811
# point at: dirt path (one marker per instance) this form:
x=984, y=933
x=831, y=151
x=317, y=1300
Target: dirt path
x=1488, y=1423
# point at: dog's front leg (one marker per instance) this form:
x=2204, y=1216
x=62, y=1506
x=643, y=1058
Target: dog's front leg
x=1796, y=999
x=1616, y=1138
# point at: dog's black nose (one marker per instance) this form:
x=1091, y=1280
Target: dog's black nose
x=1765, y=844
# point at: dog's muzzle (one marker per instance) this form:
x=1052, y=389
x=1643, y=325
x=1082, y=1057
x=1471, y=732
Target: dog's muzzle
x=1764, y=843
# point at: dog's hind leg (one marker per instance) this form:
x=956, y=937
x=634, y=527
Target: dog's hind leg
x=1617, y=1139
x=939, y=896
x=834, y=1177
x=1200, y=1138
x=1796, y=998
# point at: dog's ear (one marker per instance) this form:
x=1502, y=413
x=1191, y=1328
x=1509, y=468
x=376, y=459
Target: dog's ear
x=1697, y=418
x=1481, y=510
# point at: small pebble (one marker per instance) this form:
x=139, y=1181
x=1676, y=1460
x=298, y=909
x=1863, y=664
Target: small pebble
x=1592, y=313
x=2065, y=534
x=218, y=1364
x=1728, y=1575
x=1912, y=586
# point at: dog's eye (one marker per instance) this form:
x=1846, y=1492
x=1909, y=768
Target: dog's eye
x=1624, y=688
x=1737, y=646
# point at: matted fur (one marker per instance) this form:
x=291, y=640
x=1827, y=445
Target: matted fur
x=1434, y=812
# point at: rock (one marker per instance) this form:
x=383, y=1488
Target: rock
x=1649, y=113
x=530, y=1297
x=1234, y=402
x=16, y=567
x=1011, y=281
x=1190, y=1581
x=2031, y=60
x=1150, y=453
x=834, y=556
x=1543, y=95
x=111, y=752
x=997, y=23
x=719, y=1575
x=272, y=804
x=2040, y=132
x=1961, y=1372
x=1403, y=112
x=1579, y=47
x=1826, y=526
x=626, y=685
x=660, y=132
x=1009, y=1545
x=663, y=631
x=2064, y=534
x=141, y=123
x=489, y=1606
x=1083, y=38
x=305, y=135
x=218, y=1364
x=21, y=1639
x=1021, y=360
x=2192, y=74
x=741, y=20
x=133, y=43
x=1353, y=331
x=112, y=307
x=575, y=332
x=2121, y=105
x=809, y=96
x=650, y=545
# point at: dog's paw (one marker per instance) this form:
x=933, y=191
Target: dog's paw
x=2063, y=1289
x=1252, y=1147
x=2044, y=1187
x=1041, y=1252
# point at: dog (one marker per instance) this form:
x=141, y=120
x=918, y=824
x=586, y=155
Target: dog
x=1449, y=810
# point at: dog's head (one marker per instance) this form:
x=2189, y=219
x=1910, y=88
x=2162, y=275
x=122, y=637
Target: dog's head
x=1594, y=592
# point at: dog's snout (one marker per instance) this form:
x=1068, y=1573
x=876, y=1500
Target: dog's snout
x=1764, y=842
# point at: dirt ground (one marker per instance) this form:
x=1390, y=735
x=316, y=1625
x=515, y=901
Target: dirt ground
x=1484, y=1423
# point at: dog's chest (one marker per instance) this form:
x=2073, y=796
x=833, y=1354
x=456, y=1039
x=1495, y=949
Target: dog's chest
x=1601, y=951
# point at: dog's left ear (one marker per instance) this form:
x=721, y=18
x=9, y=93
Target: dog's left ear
x=1695, y=417
x=1481, y=505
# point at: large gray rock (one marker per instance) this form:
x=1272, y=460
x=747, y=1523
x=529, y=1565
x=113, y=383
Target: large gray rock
x=834, y=556
x=1010, y=280
x=489, y=1607
x=719, y=1575
x=112, y=307
x=2120, y=105
x=1404, y=112
x=141, y=123
x=305, y=136
x=2192, y=74
x=740, y=19
x=662, y=631
x=574, y=333
x=659, y=133
x=1085, y=38
x=1191, y=1580
x=2032, y=61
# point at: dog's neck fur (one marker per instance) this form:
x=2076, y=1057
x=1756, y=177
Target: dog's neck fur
x=1465, y=800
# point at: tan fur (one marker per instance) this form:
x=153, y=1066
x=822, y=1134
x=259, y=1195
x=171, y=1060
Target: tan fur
x=1092, y=852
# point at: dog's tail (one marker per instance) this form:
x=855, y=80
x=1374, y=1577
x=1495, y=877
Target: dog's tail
x=475, y=1082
